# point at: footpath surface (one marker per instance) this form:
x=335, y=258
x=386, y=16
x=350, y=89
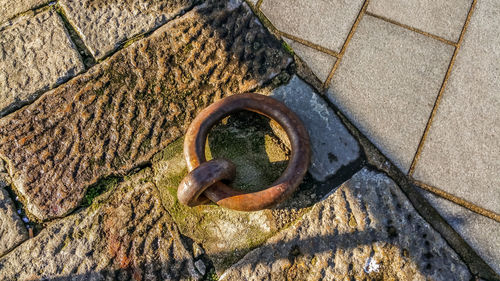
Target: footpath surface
x=95, y=97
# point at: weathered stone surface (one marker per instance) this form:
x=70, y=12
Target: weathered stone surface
x=320, y=63
x=116, y=116
x=461, y=154
x=126, y=234
x=366, y=230
x=36, y=54
x=480, y=232
x=441, y=18
x=387, y=83
x=326, y=23
x=332, y=145
x=104, y=24
x=9, y=9
x=12, y=229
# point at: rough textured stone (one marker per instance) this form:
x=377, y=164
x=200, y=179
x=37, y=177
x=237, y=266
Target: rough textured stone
x=320, y=63
x=366, y=230
x=332, y=145
x=387, y=83
x=9, y=9
x=104, y=24
x=461, y=154
x=36, y=54
x=126, y=234
x=481, y=233
x=116, y=116
x=441, y=18
x=326, y=23
x=12, y=229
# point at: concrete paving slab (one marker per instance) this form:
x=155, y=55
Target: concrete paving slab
x=326, y=23
x=387, y=83
x=441, y=18
x=331, y=143
x=461, y=154
x=365, y=230
x=36, y=54
x=320, y=63
x=480, y=232
x=104, y=24
x=9, y=9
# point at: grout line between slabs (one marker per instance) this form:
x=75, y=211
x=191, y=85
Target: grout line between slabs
x=441, y=91
x=346, y=43
x=259, y=3
x=446, y=41
x=459, y=201
x=309, y=44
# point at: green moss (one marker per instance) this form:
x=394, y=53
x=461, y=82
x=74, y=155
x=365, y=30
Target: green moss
x=99, y=188
x=287, y=48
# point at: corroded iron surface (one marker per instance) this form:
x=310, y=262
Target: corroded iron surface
x=220, y=193
x=119, y=114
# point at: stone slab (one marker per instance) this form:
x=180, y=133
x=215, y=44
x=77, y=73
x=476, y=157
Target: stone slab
x=461, y=154
x=12, y=229
x=481, y=233
x=365, y=230
x=331, y=143
x=124, y=235
x=320, y=63
x=36, y=54
x=442, y=18
x=9, y=9
x=104, y=24
x=387, y=83
x=121, y=112
x=326, y=23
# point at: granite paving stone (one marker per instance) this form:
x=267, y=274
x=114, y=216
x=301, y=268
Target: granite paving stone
x=12, y=229
x=387, y=83
x=9, y=9
x=320, y=63
x=124, y=235
x=461, y=154
x=331, y=143
x=480, y=232
x=302, y=19
x=365, y=230
x=104, y=24
x=441, y=18
x=121, y=112
x=36, y=53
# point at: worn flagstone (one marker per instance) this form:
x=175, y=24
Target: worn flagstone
x=104, y=24
x=125, y=235
x=120, y=113
x=9, y=9
x=36, y=54
x=12, y=229
x=365, y=230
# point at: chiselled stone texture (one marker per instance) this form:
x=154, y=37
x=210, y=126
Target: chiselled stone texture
x=36, y=54
x=9, y=9
x=121, y=112
x=366, y=230
x=125, y=235
x=12, y=230
x=104, y=24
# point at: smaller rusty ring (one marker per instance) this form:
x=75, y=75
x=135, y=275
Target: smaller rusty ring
x=283, y=187
x=199, y=179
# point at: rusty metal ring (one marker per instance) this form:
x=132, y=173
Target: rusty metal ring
x=205, y=175
x=285, y=185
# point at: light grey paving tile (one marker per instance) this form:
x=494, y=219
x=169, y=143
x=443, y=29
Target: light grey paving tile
x=387, y=83
x=320, y=63
x=9, y=8
x=36, y=54
x=441, y=18
x=480, y=232
x=326, y=23
x=461, y=154
x=104, y=24
x=331, y=143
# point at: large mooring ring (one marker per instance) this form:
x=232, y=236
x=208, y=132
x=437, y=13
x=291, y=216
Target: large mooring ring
x=222, y=194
